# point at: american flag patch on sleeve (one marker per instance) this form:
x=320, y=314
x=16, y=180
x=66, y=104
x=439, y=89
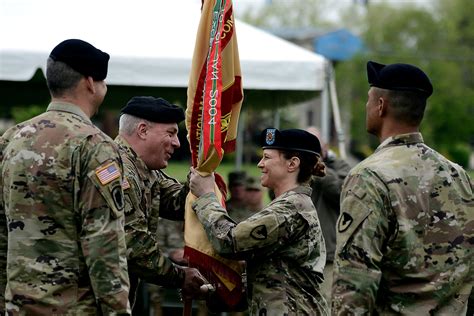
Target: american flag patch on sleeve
x=125, y=184
x=107, y=173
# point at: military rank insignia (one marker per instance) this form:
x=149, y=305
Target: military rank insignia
x=270, y=136
x=107, y=173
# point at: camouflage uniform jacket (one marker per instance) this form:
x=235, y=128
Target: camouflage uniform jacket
x=170, y=235
x=284, y=249
x=326, y=195
x=62, y=195
x=238, y=214
x=405, y=234
x=149, y=194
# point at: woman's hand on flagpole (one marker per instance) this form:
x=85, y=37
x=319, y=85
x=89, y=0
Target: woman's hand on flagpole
x=200, y=185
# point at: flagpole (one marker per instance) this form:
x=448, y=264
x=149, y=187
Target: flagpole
x=188, y=308
x=276, y=118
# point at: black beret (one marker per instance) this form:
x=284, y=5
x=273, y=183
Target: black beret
x=401, y=77
x=154, y=109
x=82, y=57
x=290, y=140
x=237, y=178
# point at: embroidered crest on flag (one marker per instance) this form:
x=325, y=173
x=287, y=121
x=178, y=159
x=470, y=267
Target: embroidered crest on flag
x=270, y=137
x=107, y=173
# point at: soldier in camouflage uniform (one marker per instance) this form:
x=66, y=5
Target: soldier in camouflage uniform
x=282, y=244
x=253, y=194
x=61, y=185
x=405, y=234
x=325, y=196
x=147, y=138
x=236, y=204
x=252, y=198
x=170, y=240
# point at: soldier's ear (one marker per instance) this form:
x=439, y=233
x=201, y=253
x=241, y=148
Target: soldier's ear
x=90, y=84
x=382, y=106
x=142, y=130
x=293, y=164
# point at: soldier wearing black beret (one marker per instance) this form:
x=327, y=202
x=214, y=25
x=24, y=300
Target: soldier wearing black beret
x=404, y=88
x=399, y=77
x=68, y=257
x=154, y=109
x=82, y=57
x=148, y=137
x=401, y=208
x=282, y=243
x=290, y=140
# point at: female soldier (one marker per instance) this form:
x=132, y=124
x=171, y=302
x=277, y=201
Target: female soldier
x=282, y=244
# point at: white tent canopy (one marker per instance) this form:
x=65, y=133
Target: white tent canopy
x=151, y=43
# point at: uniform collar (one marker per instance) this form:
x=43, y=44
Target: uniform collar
x=402, y=139
x=68, y=107
x=302, y=189
x=122, y=142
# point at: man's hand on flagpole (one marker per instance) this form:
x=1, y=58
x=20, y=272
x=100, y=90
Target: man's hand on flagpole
x=200, y=185
x=195, y=286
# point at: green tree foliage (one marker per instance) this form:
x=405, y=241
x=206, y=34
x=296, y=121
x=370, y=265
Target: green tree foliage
x=21, y=114
x=438, y=37
x=291, y=14
x=440, y=41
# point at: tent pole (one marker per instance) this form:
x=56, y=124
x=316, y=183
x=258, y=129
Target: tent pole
x=336, y=113
x=276, y=119
x=325, y=106
x=239, y=150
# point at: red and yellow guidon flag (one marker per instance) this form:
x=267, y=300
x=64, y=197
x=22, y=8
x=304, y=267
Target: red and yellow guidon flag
x=213, y=105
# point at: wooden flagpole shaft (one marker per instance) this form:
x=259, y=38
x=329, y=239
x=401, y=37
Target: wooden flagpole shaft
x=188, y=308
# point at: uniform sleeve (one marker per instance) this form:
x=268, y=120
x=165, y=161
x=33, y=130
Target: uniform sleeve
x=362, y=231
x=258, y=236
x=145, y=259
x=172, y=197
x=330, y=185
x=100, y=204
x=3, y=234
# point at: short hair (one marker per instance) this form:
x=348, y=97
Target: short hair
x=60, y=77
x=129, y=123
x=310, y=164
x=406, y=106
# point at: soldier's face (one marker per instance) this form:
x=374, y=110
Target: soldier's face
x=101, y=91
x=161, y=142
x=273, y=167
x=237, y=192
x=372, y=119
x=254, y=196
